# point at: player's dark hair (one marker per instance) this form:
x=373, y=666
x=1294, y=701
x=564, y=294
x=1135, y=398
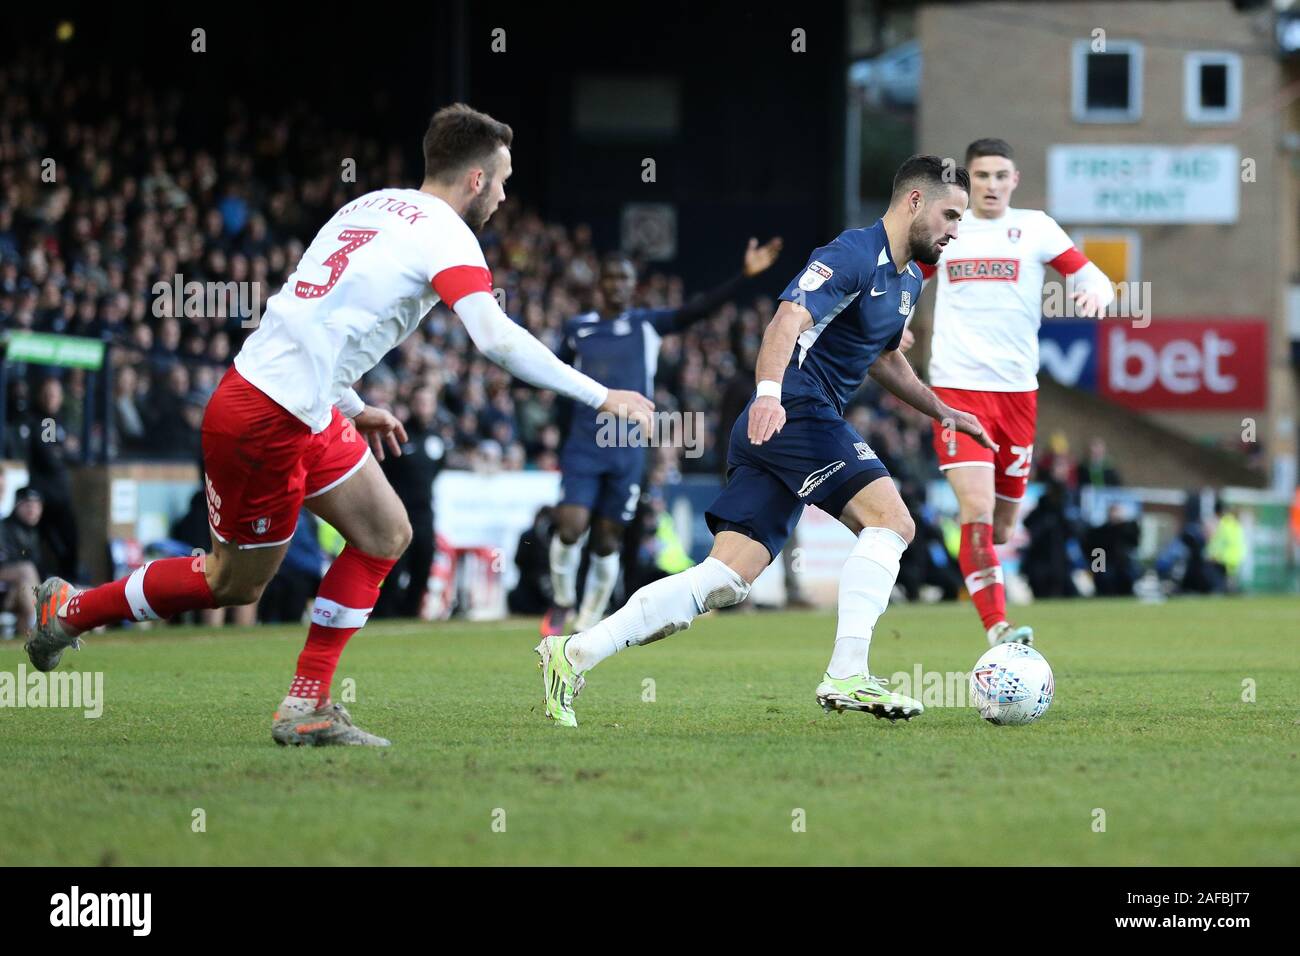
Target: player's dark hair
x=459, y=136
x=990, y=146
x=930, y=174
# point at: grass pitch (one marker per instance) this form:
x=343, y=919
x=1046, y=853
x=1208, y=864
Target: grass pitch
x=732, y=762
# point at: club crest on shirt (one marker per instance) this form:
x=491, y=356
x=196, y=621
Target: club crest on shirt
x=260, y=525
x=1013, y=234
x=622, y=327
x=904, y=302
x=864, y=450
x=816, y=274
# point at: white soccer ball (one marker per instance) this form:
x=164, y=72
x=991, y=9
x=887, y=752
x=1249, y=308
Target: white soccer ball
x=1011, y=684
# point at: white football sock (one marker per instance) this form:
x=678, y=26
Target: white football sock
x=602, y=574
x=565, y=559
x=297, y=706
x=865, y=585
x=660, y=608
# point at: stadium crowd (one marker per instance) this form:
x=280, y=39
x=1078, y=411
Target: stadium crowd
x=106, y=214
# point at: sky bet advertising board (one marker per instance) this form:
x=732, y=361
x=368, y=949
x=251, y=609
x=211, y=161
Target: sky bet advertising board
x=1208, y=364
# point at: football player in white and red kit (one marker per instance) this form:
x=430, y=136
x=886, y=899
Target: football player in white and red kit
x=285, y=428
x=984, y=359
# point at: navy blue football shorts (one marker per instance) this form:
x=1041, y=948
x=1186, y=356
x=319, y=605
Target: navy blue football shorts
x=605, y=481
x=815, y=459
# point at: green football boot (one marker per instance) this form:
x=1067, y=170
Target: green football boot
x=561, y=682
x=865, y=693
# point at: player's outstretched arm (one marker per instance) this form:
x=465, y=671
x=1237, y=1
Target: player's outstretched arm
x=516, y=351
x=758, y=259
x=766, y=415
x=895, y=373
x=1093, y=291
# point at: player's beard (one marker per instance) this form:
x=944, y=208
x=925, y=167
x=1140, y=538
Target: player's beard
x=478, y=212
x=920, y=246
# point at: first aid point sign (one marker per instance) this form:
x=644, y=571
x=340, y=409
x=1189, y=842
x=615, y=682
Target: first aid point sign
x=1137, y=185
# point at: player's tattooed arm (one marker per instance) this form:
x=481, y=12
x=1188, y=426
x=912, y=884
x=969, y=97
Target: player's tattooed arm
x=766, y=415
x=895, y=374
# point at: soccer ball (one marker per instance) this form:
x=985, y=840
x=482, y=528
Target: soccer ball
x=1011, y=684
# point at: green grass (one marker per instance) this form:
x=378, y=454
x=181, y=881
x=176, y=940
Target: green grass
x=1148, y=725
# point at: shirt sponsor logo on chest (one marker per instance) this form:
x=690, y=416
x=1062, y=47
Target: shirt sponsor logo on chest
x=992, y=270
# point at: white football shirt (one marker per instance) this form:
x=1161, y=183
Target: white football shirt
x=372, y=273
x=989, y=301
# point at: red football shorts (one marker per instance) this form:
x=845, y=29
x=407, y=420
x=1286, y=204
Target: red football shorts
x=261, y=462
x=1010, y=419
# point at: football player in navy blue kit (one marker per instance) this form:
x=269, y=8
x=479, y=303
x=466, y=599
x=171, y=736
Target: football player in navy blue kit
x=839, y=320
x=618, y=347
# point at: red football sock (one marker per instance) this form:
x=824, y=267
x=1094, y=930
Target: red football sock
x=159, y=589
x=347, y=596
x=983, y=572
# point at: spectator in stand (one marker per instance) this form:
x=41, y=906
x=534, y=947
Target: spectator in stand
x=129, y=428
x=1058, y=461
x=1096, y=470
x=1115, y=542
x=1226, y=550
x=926, y=560
x=286, y=598
x=1047, y=560
x=532, y=595
x=21, y=563
x=1183, y=560
x=412, y=475
x=49, y=449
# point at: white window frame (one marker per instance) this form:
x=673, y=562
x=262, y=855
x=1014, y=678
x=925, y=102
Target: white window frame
x=1192, y=108
x=1079, y=86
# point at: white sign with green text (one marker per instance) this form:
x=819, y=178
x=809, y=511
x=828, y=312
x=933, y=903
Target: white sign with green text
x=1143, y=184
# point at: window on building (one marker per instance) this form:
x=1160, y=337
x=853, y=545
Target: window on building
x=1108, y=83
x=1212, y=87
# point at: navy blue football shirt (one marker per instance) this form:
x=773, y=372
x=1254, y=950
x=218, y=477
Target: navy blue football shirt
x=859, y=303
